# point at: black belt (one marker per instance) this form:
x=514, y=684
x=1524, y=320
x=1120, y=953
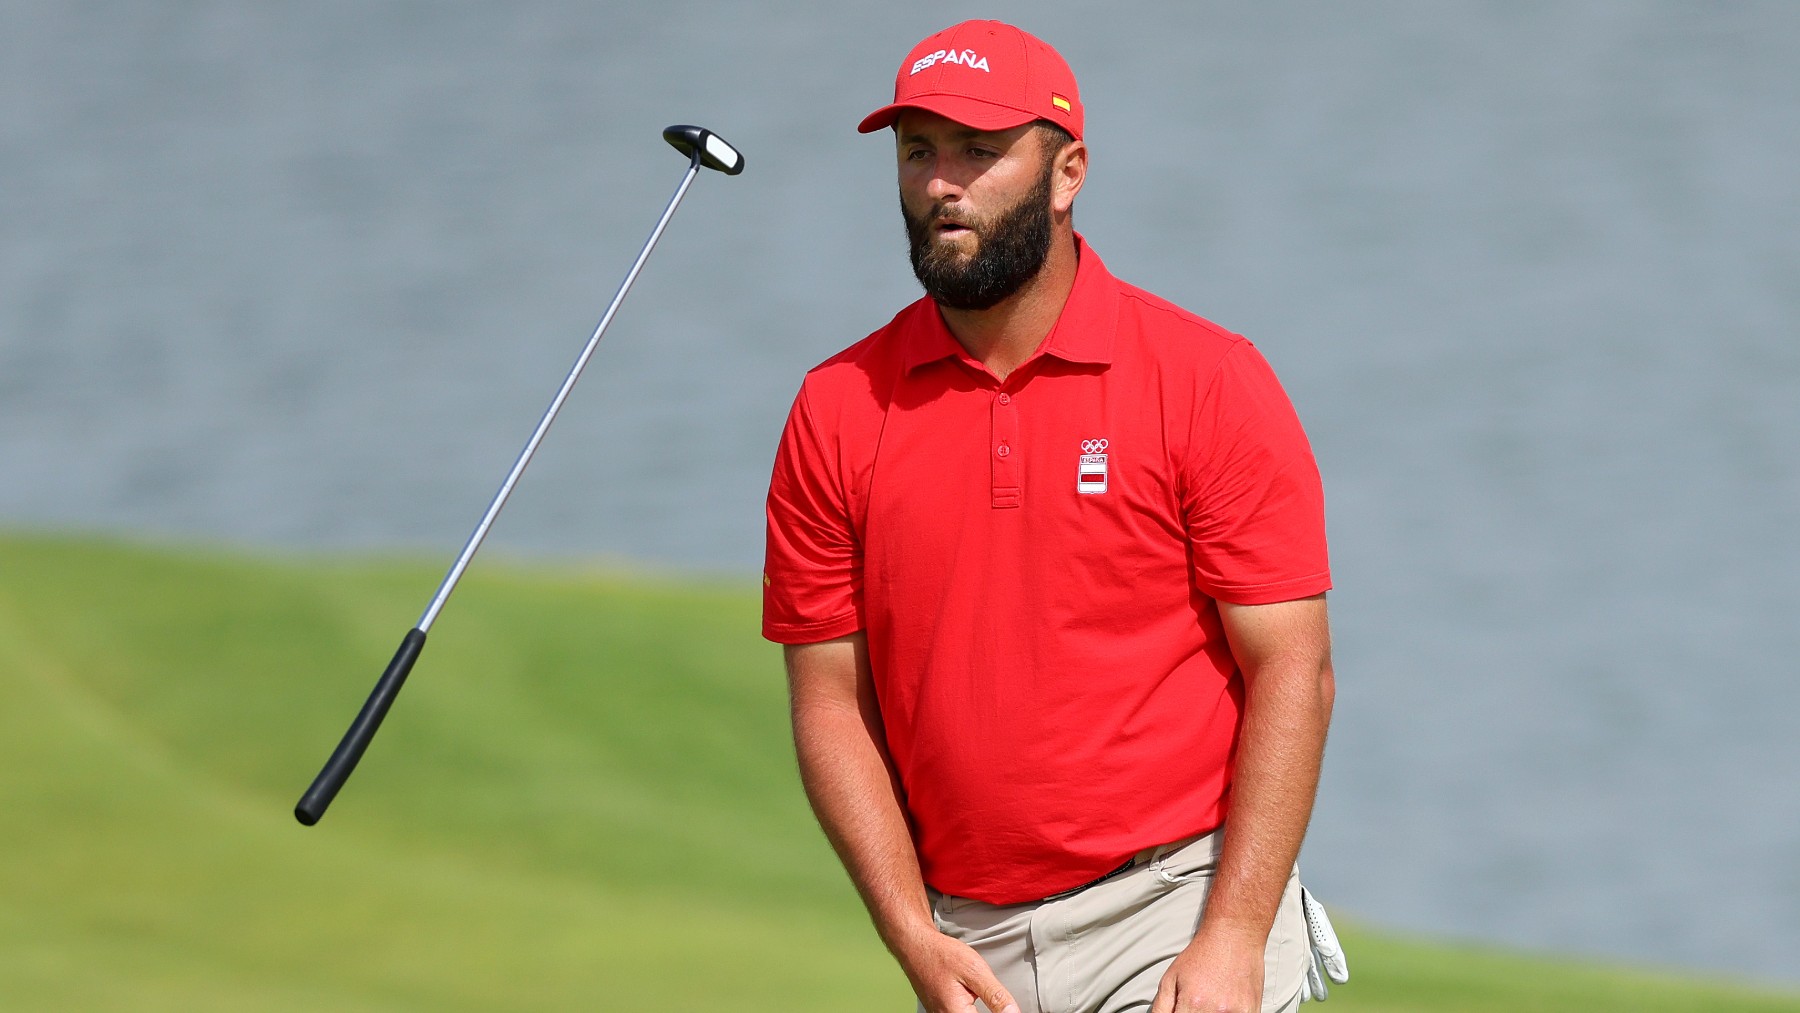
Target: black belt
x=1129, y=863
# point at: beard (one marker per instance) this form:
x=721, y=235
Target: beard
x=1011, y=247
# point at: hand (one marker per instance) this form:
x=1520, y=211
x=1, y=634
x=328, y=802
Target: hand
x=1216, y=973
x=948, y=976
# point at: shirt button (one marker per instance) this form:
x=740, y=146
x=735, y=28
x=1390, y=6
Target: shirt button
x=1006, y=399
x=1003, y=450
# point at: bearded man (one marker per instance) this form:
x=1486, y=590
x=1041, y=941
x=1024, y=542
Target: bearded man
x=1063, y=726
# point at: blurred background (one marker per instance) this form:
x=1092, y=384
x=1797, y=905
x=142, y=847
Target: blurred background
x=302, y=277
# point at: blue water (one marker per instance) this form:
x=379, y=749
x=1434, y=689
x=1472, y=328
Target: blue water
x=304, y=276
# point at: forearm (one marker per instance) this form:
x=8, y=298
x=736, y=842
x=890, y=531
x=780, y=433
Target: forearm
x=852, y=794
x=850, y=782
x=1276, y=778
x=857, y=800
x=1288, y=694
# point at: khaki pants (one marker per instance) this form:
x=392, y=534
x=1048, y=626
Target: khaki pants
x=1104, y=948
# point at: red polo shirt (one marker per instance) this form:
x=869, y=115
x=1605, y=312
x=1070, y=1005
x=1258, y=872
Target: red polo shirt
x=1036, y=563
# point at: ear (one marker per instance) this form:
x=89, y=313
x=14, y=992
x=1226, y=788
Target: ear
x=1068, y=170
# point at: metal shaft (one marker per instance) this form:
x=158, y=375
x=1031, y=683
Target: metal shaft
x=556, y=403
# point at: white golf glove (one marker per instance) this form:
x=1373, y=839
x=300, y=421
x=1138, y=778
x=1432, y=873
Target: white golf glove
x=1327, y=953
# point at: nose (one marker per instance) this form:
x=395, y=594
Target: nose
x=941, y=189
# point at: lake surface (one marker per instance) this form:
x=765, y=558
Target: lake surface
x=304, y=276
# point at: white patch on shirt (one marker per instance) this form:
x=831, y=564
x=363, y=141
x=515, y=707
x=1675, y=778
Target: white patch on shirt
x=1090, y=475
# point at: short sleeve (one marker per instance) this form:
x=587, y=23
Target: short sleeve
x=812, y=568
x=1255, y=508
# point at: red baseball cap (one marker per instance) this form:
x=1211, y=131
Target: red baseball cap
x=987, y=75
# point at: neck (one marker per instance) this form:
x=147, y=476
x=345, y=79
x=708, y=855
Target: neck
x=1006, y=334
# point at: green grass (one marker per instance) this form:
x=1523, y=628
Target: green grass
x=584, y=800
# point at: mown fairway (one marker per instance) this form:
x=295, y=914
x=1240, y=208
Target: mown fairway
x=584, y=800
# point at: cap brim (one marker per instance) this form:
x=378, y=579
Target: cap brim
x=968, y=111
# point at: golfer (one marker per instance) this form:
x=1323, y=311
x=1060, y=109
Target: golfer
x=1047, y=554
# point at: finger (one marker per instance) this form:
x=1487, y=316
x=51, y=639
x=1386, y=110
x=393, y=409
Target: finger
x=984, y=984
x=973, y=984
x=1165, y=997
x=999, y=1000
x=962, y=1001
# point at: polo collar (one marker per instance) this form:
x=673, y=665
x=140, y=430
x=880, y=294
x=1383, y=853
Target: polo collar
x=1083, y=333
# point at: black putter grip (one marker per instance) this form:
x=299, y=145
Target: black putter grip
x=343, y=759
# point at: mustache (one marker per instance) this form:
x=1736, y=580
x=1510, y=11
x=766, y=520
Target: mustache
x=943, y=212
x=939, y=214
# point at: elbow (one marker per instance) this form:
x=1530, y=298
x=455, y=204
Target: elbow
x=1327, y=689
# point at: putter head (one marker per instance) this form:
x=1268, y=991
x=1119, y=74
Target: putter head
x=713, y=151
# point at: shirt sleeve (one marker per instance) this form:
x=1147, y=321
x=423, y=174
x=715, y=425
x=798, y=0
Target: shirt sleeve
x=812, y=569
x=1255, y=508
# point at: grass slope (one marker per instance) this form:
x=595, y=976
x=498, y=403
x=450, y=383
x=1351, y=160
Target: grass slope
x=585, y=800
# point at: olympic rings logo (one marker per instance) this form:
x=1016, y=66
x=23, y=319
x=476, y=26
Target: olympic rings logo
x=1093, y=446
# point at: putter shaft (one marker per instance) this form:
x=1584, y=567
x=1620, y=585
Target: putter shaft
x=562, y=394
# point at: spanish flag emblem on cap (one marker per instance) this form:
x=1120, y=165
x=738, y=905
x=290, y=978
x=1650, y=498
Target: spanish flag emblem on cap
x=1059, y=102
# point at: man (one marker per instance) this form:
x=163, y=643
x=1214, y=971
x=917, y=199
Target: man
x=1048, y=557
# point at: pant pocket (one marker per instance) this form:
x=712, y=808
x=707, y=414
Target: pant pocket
x=1289, y=952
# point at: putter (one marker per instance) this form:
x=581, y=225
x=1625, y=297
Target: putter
x=702, y=147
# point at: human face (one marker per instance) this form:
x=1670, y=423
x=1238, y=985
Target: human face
x=976, y=206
